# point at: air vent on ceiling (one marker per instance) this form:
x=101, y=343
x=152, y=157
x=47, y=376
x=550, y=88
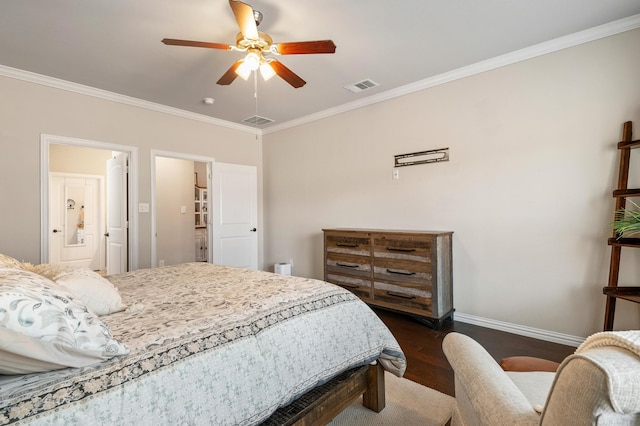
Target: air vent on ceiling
x=361, y=85
x=257, y=121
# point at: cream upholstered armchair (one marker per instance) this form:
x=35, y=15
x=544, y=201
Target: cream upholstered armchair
x=598, y=385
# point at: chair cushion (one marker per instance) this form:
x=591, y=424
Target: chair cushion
x=534, y=385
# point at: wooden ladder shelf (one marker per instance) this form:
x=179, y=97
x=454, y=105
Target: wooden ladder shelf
x=613, y=291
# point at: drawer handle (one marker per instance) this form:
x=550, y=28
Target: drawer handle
x=346, y=245
x=349, y=285
x=402, y=296
x=401, y=249
x=392, y=271
x=347, y=265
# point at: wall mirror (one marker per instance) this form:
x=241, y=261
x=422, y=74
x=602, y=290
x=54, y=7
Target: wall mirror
x=74, y=217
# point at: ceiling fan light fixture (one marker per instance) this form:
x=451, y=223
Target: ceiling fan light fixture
x=252, y=61
x=243, y=71
x=267, y=70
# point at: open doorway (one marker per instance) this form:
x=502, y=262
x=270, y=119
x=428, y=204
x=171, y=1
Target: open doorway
x=230, y=210
x=201, y=197
x=180, y=217
x=86, y=209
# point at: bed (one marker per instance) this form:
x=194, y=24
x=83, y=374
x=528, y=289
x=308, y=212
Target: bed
x=194, y=344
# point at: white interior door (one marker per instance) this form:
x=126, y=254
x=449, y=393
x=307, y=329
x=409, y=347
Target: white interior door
x=75, y=209
x=235, y=203
x=117, y=224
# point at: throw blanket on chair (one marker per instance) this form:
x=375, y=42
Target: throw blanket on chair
x=629, y=340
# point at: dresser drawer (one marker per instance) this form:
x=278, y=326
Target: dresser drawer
x=355, y=244
x=403, y=295
x=359, y=286
x=402, y=271
x=415, y=249
x=348, y=264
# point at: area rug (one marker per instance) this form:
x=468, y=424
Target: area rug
x=407, y=403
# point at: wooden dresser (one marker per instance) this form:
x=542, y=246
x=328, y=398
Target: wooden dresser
x=406, y=271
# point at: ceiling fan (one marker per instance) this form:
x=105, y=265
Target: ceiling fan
x=259, y=46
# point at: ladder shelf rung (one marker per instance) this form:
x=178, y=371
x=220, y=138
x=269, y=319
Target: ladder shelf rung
x=629, y=144
x=621, y=290
x=626, y=242
x=626, y=193
x=631, y=294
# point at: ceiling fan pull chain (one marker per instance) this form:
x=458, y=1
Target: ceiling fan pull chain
x=255, y=95
x=255, y=90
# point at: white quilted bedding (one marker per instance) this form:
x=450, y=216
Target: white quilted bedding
x=209, y=345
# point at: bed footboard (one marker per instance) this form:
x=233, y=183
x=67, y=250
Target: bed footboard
x=320, y=405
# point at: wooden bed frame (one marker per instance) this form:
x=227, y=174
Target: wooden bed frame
x=321, y=404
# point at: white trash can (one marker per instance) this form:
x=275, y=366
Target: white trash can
x=282, y=268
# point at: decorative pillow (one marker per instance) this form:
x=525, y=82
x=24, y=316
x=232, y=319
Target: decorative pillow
x=9, y=262
x=100, y=296
x=43, y=327
x=528, y=363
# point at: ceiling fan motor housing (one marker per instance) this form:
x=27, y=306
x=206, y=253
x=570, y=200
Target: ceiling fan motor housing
x=263, y=42
x=257, y=15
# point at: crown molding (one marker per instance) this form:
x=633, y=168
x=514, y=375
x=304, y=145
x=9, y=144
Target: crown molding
x=57, y=83
x=582, y=37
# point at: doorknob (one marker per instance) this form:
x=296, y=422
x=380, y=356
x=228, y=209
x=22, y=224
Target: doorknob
x=57, y=230
x=106, y=234
x=253, y=230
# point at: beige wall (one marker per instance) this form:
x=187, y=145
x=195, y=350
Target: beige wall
x=176, y=230
x=201, y=170
x=78, y=159
x=28, y=110
x=527, y=190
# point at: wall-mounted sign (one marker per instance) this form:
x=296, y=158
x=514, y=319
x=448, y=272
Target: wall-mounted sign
x=422, y=157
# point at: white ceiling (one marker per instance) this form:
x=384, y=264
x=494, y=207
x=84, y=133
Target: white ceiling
x=115, y=45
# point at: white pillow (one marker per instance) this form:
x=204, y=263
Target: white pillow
x=9, y=262
x=43, y=327
x=100, y=296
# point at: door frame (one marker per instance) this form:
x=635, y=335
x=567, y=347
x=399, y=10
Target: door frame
x=132, y=191
x=209, y=161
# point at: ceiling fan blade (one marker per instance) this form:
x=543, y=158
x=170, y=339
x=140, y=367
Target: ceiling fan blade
x=228, y=77
x=246, y=20
x=302, y=47
x=191, y=43
x=286, y=74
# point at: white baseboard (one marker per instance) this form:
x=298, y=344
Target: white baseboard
x=536, y=333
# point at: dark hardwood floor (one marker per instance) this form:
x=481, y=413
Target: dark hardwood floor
x=426, y=363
